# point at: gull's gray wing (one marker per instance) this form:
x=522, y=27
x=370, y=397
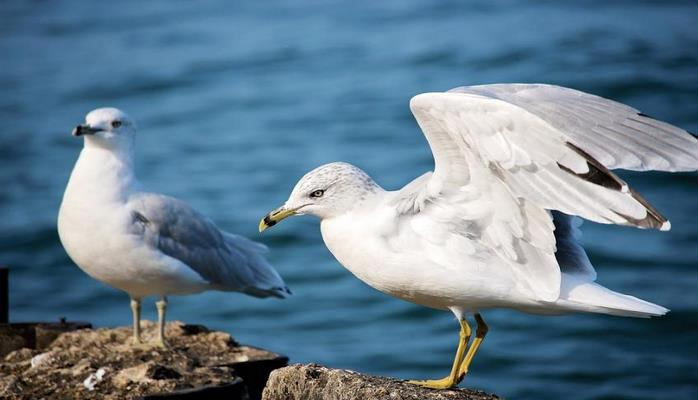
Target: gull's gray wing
x=616, y=135
x=229, y=262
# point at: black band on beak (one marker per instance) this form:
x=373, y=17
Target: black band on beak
x=274, y=217
x=268, y=221
x=84, y=129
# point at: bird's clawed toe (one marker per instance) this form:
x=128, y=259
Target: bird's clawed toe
x=444, y=383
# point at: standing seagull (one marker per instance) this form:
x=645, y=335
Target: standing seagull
x=493, y=225
x=147, y=243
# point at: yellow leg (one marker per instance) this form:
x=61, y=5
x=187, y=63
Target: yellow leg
x=480, y=333
x=162, y=308
x=136, y=310
x=451, y=380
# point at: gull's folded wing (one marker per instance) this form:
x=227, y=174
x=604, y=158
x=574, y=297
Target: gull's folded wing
x=227, y=261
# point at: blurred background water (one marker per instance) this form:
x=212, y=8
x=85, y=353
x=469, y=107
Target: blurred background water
x=236, y=100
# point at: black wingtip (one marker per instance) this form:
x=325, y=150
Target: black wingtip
x=282, y=292
x=597, y=173
x=653, y=220
x=600, y=175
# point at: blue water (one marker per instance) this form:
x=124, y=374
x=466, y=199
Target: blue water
x=236, y=100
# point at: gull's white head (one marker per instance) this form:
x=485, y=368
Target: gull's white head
x=107, y=127
x=327, y=191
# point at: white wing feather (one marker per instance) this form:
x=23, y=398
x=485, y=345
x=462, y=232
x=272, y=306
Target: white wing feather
x=535, y=161
x=616, y=135
x=499, y=168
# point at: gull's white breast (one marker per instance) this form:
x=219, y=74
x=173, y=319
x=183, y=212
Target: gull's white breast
x=94, y=228
x=372, y=245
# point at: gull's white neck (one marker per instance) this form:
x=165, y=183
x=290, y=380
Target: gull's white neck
x=102, y=175
x=367, y=221
x=94, y=202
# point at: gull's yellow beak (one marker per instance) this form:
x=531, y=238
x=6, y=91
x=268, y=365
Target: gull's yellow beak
x=274, y=217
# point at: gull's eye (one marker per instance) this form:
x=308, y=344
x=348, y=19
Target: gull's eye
x=317, y=193
x=115, y=124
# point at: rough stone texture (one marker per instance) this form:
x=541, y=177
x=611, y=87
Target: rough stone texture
x=101, y=364
x=34, y=335
x=315, y=382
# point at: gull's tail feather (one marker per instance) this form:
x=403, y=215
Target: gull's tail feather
x=594, y=298
x=578, y=292
x=276, y=291
x=268, y=282
x=261, y=279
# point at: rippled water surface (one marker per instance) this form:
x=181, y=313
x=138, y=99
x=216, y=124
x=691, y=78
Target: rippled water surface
x=236, y=100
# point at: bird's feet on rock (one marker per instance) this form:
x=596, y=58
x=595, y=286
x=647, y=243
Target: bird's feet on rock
x=161, y=343
x=139, y=344
x=135, y=341
x=443, y=383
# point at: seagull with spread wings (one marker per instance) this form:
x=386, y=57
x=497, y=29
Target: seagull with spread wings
x=494, y=225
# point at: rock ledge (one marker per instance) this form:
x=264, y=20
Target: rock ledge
x=100, y=364
x=315, y=382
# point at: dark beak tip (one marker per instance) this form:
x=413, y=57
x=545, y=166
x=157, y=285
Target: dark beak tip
x=268, y=221
x=77, y=131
